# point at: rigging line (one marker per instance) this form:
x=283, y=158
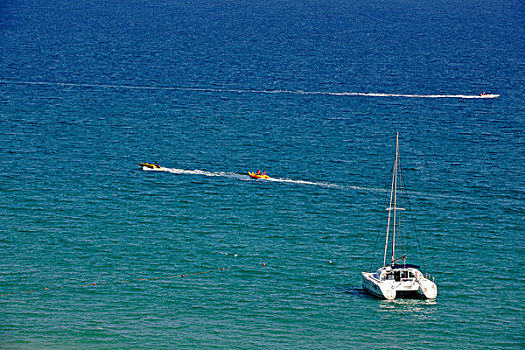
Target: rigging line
x=414, y=228
x=382, y=222
x=394, y=188
x=403, y=238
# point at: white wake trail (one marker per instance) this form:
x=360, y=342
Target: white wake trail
x=195, y=172
x=248, y=178
x=247, y=91
x=292, y=181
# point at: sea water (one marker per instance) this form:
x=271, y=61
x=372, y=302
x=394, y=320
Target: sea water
x=97, y=253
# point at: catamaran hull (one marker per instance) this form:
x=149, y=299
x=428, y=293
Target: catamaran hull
x=427, y=288
x=390, y=289
x=376, y=288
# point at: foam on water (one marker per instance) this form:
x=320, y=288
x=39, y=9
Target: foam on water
x=245, y=177
x=240, y=176
x=250, y=91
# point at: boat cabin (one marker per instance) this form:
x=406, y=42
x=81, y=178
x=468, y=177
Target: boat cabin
x=398, y=273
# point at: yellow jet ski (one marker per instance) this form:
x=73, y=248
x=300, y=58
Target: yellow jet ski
x=149, y=166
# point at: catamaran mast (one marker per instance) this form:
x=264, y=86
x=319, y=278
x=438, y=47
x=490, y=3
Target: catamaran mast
x=395, y=200
x=392, y=208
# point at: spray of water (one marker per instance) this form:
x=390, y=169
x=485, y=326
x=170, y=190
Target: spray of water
x=246, y=91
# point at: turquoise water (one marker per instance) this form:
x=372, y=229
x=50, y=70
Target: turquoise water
x=93, y=248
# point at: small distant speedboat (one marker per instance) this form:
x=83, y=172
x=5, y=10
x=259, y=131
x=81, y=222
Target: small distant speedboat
x=258, y=176
x=485, y=95
x=149, y=166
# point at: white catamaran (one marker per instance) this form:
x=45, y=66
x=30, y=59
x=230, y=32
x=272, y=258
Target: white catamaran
x=397, y=279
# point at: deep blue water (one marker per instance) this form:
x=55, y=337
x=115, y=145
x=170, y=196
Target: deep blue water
x=213, y=89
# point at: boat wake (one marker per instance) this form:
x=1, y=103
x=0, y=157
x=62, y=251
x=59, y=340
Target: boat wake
x=303, y=182
x=322, y=184
x=245, y=177
x=371, y=94
x=197, y=172
x=247, y=91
